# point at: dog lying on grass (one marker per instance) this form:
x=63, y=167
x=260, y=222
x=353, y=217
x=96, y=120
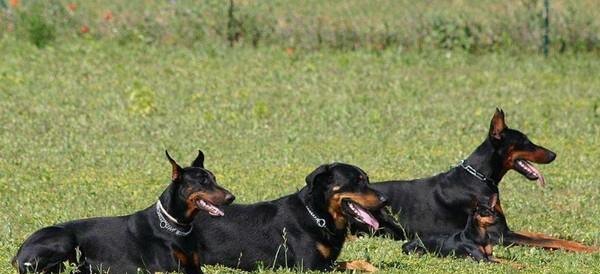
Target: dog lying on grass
x=158, y=238
x=306, y=229
x=441, y=204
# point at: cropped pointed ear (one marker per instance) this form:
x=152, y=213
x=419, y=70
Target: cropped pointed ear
x=497, y=125
x=177, y=170
x=493, y=200
x=199, y=162
x=312, y=178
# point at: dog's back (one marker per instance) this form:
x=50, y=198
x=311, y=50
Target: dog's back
x=266, y=234
x=416, y=207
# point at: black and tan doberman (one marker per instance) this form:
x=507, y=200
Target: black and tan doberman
x=442, y=204
x=304, y=230
x=158, y=238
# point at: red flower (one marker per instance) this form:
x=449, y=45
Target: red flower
x=290, y=50
x=14, y=3
x=84, y=29
x=72, y=7
x=108, y=16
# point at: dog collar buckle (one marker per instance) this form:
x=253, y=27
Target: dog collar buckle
x=320, y=221
x=474, y=172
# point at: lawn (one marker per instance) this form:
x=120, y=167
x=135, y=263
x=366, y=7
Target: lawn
x=84, y=125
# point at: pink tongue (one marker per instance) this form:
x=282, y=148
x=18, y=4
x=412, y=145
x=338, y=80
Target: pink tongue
x=541, y=180
x=366, y=217
x=211, y=209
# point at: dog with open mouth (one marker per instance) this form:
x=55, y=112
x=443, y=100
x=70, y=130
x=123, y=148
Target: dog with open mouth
x=306, y=229
x=158, y=238
x=441, y=204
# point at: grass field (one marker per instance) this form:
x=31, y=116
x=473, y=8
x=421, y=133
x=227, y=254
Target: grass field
x=84, y=126
x=470, y=25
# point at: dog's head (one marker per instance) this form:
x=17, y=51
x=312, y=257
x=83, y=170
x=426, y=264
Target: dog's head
x=485, y=214
x=516, y=151
x=198, y=187
x=344, y=190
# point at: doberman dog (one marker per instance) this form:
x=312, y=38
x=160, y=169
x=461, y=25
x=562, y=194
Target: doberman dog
x=305, y=230
x=473, y=241
x=155, y=239
x=441, y=204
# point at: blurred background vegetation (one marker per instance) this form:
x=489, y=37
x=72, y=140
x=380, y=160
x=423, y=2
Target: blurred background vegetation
x=474, y=26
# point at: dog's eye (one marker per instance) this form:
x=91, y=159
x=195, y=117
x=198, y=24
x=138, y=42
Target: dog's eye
x=362, y=179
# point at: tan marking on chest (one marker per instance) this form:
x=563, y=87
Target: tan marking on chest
x=324, y=250
x=181, y=257
x=196, y=259
x=488, y=249
x=481, y=249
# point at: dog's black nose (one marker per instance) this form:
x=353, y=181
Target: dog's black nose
x=229, y=198
x=551, y=156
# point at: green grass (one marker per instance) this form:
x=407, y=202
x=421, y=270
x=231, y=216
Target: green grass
x=83, y=128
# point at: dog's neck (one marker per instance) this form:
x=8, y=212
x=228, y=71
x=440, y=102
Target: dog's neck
x=486, y=161
x=317, y=204
x=174, y=205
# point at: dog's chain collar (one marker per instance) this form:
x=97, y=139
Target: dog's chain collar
x=164, y=224
x=320, y=221
x=475, y=173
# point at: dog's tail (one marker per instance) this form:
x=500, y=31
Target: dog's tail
x=545, y=241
